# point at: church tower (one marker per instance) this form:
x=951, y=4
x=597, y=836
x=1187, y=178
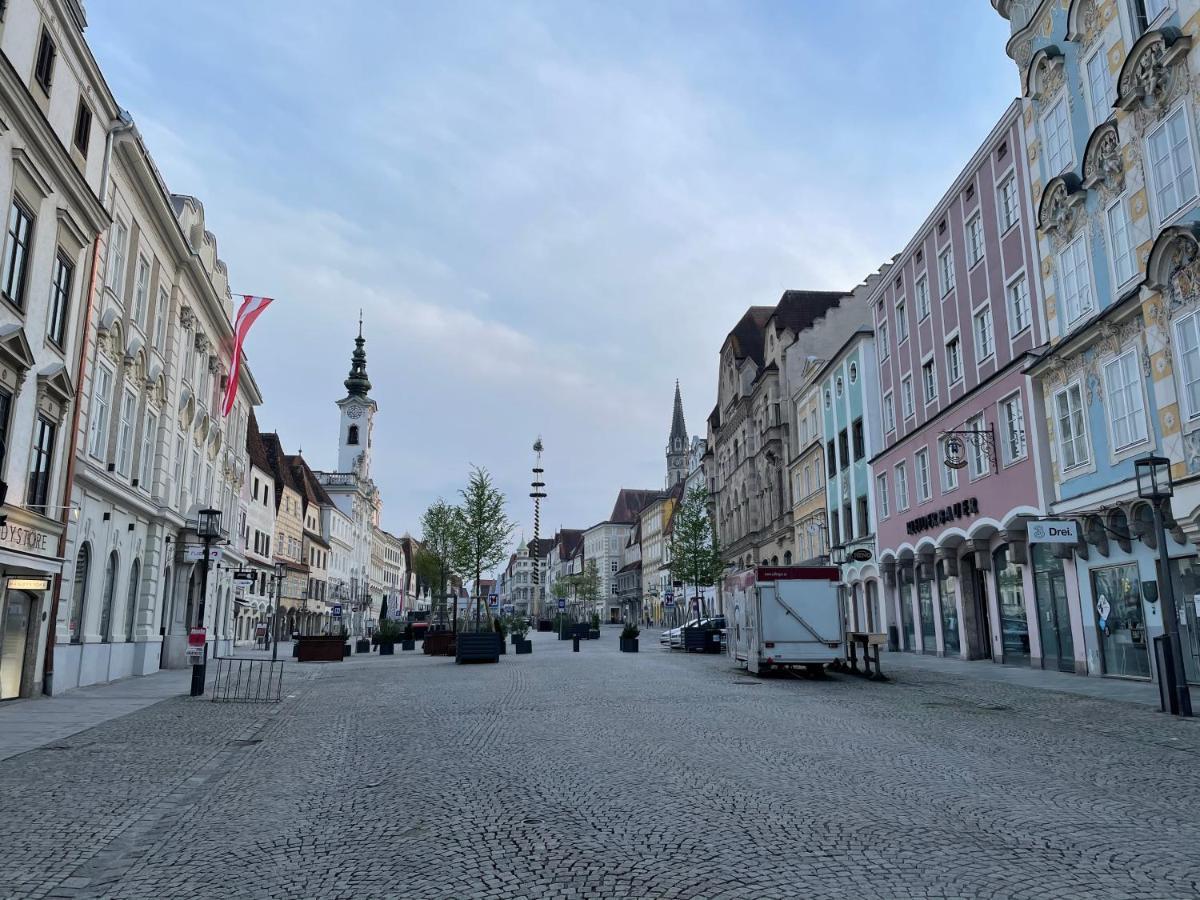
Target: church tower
x=677, y=444
x=358, y=414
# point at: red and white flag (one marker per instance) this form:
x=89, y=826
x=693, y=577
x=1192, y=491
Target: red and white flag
x=251, y=309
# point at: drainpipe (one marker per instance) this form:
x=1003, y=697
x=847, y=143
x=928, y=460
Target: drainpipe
x=123, y=124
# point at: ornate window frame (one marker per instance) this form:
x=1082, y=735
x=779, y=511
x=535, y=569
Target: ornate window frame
x=1152, y=79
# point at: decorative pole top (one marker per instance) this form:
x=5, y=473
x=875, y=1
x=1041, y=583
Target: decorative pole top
x=357, y=383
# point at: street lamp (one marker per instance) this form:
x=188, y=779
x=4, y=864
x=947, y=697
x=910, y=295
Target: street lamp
x=837, y=554
x=1154, y=484
x=280, y=572
x=208, y=526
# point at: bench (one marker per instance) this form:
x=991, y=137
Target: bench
x=870, y=642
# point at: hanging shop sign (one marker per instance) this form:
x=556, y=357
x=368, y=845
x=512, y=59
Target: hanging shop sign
x=950, y=513
x=860, y=554
x=1064, y=531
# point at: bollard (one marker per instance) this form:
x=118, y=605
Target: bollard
x=575, y=644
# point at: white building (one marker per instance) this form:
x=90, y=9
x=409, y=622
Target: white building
x=58, y=119
x=257, y=602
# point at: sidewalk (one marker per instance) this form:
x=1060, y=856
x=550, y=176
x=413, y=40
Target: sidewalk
x=1121, y=689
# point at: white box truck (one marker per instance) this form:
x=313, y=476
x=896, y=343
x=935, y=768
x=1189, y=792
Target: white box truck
x=784, y=616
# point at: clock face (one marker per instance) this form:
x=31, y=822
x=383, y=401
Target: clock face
x=354, y=411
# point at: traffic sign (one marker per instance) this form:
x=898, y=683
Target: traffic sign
x=337, y=610
x=493, y=601
x=195, y=645
x=562, y=603
x=669, y=603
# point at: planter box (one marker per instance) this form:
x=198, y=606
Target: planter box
x=295, y=649
x=523, y=647
x=695, y=639
x=629, y=645
x=545, y=625
x=580, y=631
x=594, y=634
x=387, y=649
x=346, y=650
x=482, y=646
x=439, y=643
x=503, y=646
x=320, y=648
x=409, y=645
x=362, y=646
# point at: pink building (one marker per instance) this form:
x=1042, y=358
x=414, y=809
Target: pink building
x=956, y=322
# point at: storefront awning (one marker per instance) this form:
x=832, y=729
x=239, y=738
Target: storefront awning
x=51, y=565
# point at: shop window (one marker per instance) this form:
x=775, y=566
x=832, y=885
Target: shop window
x=1117, y=596
x=1010, y=595
x=79, y=587
x=946, y=593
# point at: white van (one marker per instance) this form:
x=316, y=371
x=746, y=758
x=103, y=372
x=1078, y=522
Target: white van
x=784, y=616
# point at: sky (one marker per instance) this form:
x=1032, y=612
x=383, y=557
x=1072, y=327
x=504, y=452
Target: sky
x=547, y=212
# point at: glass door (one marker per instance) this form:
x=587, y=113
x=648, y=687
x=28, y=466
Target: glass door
x=1010, y=596
x=1054, y=617
x=1185, y=577
x=949, y=612
x=1117, y=595
x=14, y=629
x=906, y=616
x=928, y=629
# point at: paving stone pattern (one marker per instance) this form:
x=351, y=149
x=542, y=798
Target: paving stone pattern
x=599, y=774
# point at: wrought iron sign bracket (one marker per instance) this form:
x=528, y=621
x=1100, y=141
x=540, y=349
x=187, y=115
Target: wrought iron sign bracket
x=955, y=443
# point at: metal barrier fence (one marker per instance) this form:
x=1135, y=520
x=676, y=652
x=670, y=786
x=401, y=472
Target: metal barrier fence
x=241, y=680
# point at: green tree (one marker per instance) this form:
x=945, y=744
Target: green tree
x=587, y=588
x=481, y=531
x=695, y=554
x=433, y=560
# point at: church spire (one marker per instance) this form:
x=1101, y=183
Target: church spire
x=678, y=428
x=357, y=383
x=677, y=444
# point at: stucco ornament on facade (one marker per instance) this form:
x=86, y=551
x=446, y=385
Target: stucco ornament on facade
x=1061, y=210
x=1153, y=76
x=1103, y=166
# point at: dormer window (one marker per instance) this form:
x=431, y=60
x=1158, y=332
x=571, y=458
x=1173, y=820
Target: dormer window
x=352, y=435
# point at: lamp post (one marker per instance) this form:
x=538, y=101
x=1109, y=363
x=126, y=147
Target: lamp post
x=1154, y=484
x=538, y=494
x=280, y=572
x=208, y=526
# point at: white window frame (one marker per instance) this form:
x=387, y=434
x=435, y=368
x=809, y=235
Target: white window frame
x=1073, y=302
x=1153, y=16
x=1126, y=392
x=954, y=340
x=908, y=404
x=1099, y=108
x=980, y=356
x=98, y=417
x=1076, y=439
x=1120, y=242
x=1008, y=202
x=1009, y=435
x=1187, y=335
x=949, y=473
x=141, y=291
x=1156, y=187
x=978, y=464
x=127, y=422
x=1020, y=310
x=1061, y=150
x=162, y=304
x=881, y=495
x=974, y=236
x=889, y=411
x=114, y=278
x=946, y=270
x=924, y=484
x=929, y=384
x=901, y=474
x=146, y=461
x=882, y=335
x=922, y=296
x=901, y=321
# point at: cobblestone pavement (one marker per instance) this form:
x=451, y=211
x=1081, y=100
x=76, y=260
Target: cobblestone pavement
x=601, y=774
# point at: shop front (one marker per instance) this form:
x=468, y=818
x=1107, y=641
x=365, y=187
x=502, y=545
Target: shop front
x=28, y=566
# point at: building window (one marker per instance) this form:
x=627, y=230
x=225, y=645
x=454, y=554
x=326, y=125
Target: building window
x=881, y=341
x=141, y=292
x=839, y=384
x=922, y=298
x=101, y=406
x=1013, y=416
x=1171, y=167
x=1072, y=428
x=889, y=407
x=1126, y=410
x=1154, y=9
x=107, y=597
x=135, y=578
x=39, y=470
x=1188, y=330
x=5, y=416
x=853, y=370
x=901, y=486
x=949, y=473
x=1075, y=282
x=929, y=380
x=860, y=444
x=954, y=368
x=125, y=432
x=906, y=397
x=974, y=240
x=79, y=593
x=115, y=277
x=1120, y=235
x=901, y=322
x=352, y=435
x=828, y=400
x=923, y=487
x=1056, y=135
x=1009, y=210
x=1018, y=305
x=1101, y=89
x=844, y=447
x=881, y=495
x=83, y=128
x=978, y=463
x=16, y=256
x=43, y=70
x=831, y=464
x=149, y=432
x=160, y=320
x=984, y=343
x=946, y=270
x=60, y=299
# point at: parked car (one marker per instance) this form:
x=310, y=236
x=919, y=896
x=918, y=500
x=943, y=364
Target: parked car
x=673, y=638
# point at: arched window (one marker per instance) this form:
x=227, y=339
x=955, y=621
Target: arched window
x=106, y=598
x=164, y=613
x=83, y=565
x=787, y=557
x=135, y=583
x=774, y=560
x=352, y=435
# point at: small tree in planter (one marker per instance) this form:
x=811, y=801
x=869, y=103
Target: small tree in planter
x=518, y=627
x=629, y=638
x=587, y=590
x=388, y=635
x=433, y=562
x=695, y=553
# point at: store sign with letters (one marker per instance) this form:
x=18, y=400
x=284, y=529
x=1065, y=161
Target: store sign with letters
x=27, y=540
x=1063, y=531
x=950, y=513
